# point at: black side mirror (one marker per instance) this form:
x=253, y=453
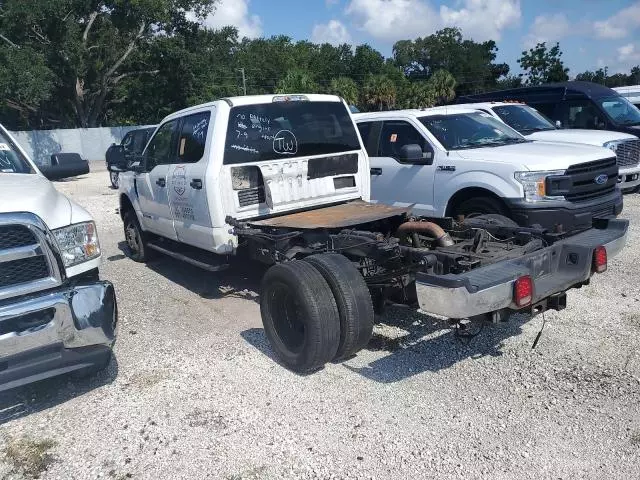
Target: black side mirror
x=65, y=165
x=413, y=153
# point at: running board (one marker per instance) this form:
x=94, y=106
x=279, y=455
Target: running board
x=186, y=257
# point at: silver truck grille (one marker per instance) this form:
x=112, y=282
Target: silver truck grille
x=27, y=263
x=628, y=154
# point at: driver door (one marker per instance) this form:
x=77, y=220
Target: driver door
x=398, y=181
x=152, y=185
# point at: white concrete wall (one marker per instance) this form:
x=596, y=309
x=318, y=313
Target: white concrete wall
x=90, y=143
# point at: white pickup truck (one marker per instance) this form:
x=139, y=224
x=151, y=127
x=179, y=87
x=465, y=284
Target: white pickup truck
x=447, y=162
x=56, y=316
x=534, y=126
x=285, y=180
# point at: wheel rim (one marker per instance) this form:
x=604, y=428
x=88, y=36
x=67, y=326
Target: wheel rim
x=115, y=178
x=133, y=238
x=287, y=318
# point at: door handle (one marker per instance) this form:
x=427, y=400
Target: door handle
x=196, y=184
x=161, y=182
x=376, y=171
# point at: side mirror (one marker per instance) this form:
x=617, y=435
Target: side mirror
x=65, y=165
x=558, y=124
x=413, y=153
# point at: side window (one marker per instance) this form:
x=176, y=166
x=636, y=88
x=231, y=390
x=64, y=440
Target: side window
x=193, y=137
x=366, y=131
x=396, y=134
x=127, y=142
x=159, y=151
x=547, y=109
x=580, y=114
x=139, y=141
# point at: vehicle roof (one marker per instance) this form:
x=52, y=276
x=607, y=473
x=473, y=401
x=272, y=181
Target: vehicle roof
x=252, y=100
x=479, y=105
x=628, y=89
x=589, y=89
x=415, y=112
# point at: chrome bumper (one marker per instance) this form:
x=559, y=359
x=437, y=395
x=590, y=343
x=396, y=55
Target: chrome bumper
x=36, y=329
x=626, y=177
x=490, y=288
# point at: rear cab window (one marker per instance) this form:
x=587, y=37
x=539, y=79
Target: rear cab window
x=283, y=130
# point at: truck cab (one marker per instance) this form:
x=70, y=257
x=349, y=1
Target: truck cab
x=458, y=161
x=56, y=315
x=535, y=126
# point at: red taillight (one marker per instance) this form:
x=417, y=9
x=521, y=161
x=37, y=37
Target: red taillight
x=600, y=259
x=523, y=291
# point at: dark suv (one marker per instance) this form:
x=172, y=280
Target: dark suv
x=119, y=157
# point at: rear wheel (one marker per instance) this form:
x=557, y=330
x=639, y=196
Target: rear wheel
x=352, y=298
x=300, y=316
x=115, y=179
x=135, y=237
x=479, y=206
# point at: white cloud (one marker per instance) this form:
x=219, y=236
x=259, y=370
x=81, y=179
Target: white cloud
x=628, y=54
x=235, y=13
x=333, y=32
x=547, y=28
x=619, y=25
x=403, y=19
x=331, y=3
x=393, y=19
x=483, y=19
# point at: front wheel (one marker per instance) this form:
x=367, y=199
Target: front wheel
x=135, y=237
x=115, y=179
x=300, y=316
x=480, y=206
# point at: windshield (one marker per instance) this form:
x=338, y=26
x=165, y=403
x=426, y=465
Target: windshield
x=283, y=130
x=524, y=119
x=11, y=160
x=470, y=130
x=620, y=110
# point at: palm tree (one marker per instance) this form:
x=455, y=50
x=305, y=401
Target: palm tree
x=297, y=81
x=346, y=88
x=418, y=95
x=443, y=85
x=379, y=92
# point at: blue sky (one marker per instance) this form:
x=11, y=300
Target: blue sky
x=592, y=33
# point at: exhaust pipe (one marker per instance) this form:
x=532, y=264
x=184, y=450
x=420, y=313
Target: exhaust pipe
x=443, y=239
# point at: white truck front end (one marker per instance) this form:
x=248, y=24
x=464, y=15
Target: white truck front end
x=56, y=316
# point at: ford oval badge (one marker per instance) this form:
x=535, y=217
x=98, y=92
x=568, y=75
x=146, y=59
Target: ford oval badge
x=601, y=179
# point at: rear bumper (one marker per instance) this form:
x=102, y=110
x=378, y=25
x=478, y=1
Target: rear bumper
x=55, y=332
x=571, y=216
x=554, y=270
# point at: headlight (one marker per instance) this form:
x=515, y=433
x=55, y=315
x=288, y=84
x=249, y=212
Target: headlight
x=77, y=243
x=535, y=185
x=613, y=145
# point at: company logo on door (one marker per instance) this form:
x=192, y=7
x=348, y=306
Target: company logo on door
x=179, y=180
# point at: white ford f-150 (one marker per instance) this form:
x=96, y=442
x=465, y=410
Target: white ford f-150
x=455, y=161
x=56, y=316
x=284, y=180
x=534, y=126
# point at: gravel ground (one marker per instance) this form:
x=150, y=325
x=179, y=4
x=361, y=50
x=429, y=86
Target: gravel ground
x=194, y=392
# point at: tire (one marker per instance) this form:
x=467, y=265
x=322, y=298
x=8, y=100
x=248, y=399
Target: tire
x=115, y=179
x=352, y=298
x=300, y=316
x=135, y=238
x=499, y=220
x=480, y=206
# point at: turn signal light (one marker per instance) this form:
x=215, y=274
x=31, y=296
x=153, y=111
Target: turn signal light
x=599, y=259
x=523, y=291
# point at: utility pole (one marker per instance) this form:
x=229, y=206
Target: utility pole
x=244, y=81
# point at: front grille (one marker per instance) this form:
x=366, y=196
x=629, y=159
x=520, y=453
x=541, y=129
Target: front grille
x=582, y=180
x=628, y=153
x=251, y=196
x=14, y=236
x=22, y=271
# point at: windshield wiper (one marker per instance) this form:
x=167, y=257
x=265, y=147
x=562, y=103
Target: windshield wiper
x=537, y=129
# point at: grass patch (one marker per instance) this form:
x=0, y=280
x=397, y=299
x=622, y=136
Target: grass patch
x=28, y=456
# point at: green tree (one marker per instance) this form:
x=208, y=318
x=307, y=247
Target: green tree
x=297, y=81
x=510, y=81
x=366, y=62
x=418, y=94
x=379, y=92
x=543, y=65
x=443, y=85
x=346, y=88
x=92, y=46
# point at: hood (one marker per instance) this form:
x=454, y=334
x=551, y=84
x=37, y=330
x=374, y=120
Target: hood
x=587, y=137
x=538, y=155
x=35, y=194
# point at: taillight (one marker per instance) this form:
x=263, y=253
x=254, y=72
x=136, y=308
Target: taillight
x=523, y=291
x=599, y=259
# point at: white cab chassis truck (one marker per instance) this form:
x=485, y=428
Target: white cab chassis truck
x=56, y=315
x=285, y=180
